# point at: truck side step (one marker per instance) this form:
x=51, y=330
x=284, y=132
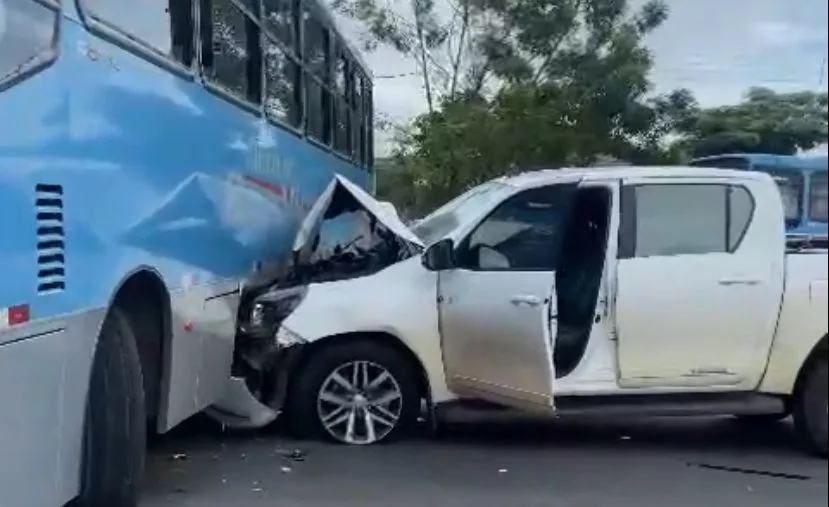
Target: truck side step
x=672, y=404
x=645, y=405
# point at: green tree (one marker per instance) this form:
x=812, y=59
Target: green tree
x=764, y=122
x=415, y=36
x=567, y=81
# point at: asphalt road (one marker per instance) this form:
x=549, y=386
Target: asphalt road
x=565, y=463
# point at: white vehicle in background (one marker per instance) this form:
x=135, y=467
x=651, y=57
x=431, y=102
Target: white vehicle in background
x=646, y=291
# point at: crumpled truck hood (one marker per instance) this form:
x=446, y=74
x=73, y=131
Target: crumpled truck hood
x=342, y=196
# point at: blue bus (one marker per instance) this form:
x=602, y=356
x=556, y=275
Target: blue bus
x=153, y=155
x=802, y=183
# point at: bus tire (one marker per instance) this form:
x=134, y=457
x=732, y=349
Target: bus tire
x=810, y=408
x=115, y=426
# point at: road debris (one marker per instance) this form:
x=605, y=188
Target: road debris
x=293, y=455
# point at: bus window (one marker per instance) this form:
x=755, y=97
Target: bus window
x=231, y=50
x=342, y=102
x=367, y=158
x=791, y=184
x=283, y=85
x=26, y=35
x=282, y=19
x=317, y=47
x=818, y=198
x=356, y=114
x=144, y=22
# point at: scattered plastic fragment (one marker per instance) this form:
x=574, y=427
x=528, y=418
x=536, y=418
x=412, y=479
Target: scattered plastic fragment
x=293, y=455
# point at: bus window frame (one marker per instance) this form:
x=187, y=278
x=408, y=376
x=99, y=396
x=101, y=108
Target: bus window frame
x=205, y=16
x=114, y=34
x=43, y=60
x=196, y=71
x=812, y=177
x=775, y=171
x=295, y=55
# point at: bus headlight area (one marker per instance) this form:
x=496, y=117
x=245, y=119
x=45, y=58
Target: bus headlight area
x=263, y=360
x=264, y=354
x=271, y=308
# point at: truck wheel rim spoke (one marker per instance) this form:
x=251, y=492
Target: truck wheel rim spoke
x=359, y=403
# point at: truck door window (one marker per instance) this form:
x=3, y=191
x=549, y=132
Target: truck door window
x=684, y=219
x=521, y=234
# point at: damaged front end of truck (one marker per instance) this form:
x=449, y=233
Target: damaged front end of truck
x=346, y=234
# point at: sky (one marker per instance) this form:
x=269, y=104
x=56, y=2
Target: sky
x=716, y=48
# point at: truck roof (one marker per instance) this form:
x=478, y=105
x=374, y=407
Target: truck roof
x=539, y=177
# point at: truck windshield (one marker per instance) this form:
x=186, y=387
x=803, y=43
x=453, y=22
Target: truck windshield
x=439, y=223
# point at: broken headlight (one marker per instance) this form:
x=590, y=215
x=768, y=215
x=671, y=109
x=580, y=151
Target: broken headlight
x=271, y=308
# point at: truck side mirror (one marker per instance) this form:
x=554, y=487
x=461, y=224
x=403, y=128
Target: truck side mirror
x=439, y=256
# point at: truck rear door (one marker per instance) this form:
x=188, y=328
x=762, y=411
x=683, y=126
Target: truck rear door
x=700, y=281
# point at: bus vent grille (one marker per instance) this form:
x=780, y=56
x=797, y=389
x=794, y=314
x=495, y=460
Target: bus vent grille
x=51, y=246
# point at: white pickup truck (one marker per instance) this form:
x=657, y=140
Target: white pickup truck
x=649, y=291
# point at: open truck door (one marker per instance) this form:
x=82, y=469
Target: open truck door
x=498, y=310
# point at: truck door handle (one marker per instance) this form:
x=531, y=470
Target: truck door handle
x=739, y=281
x=525, y=300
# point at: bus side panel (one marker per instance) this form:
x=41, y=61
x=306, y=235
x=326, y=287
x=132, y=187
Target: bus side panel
x=159, y=172
x=152, y=171
x=31, y=372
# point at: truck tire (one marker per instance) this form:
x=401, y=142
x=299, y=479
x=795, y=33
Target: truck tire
x=115, y=428
x=321, y=406
x=810, y=408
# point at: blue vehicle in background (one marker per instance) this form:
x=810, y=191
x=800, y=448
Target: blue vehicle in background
x=153, y=155
x=802, y=182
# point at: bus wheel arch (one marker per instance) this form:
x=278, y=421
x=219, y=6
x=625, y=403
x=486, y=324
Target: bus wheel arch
x=144, y=300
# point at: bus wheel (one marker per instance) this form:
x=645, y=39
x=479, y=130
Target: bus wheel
x=114, y=440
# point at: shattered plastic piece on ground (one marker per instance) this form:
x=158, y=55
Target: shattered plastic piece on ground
x=293, y=455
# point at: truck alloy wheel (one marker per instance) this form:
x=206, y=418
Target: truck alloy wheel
x=358, y=392
x=359, y=403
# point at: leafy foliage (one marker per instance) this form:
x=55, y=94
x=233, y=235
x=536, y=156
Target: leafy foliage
x=765, y=122
x=552, y=83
